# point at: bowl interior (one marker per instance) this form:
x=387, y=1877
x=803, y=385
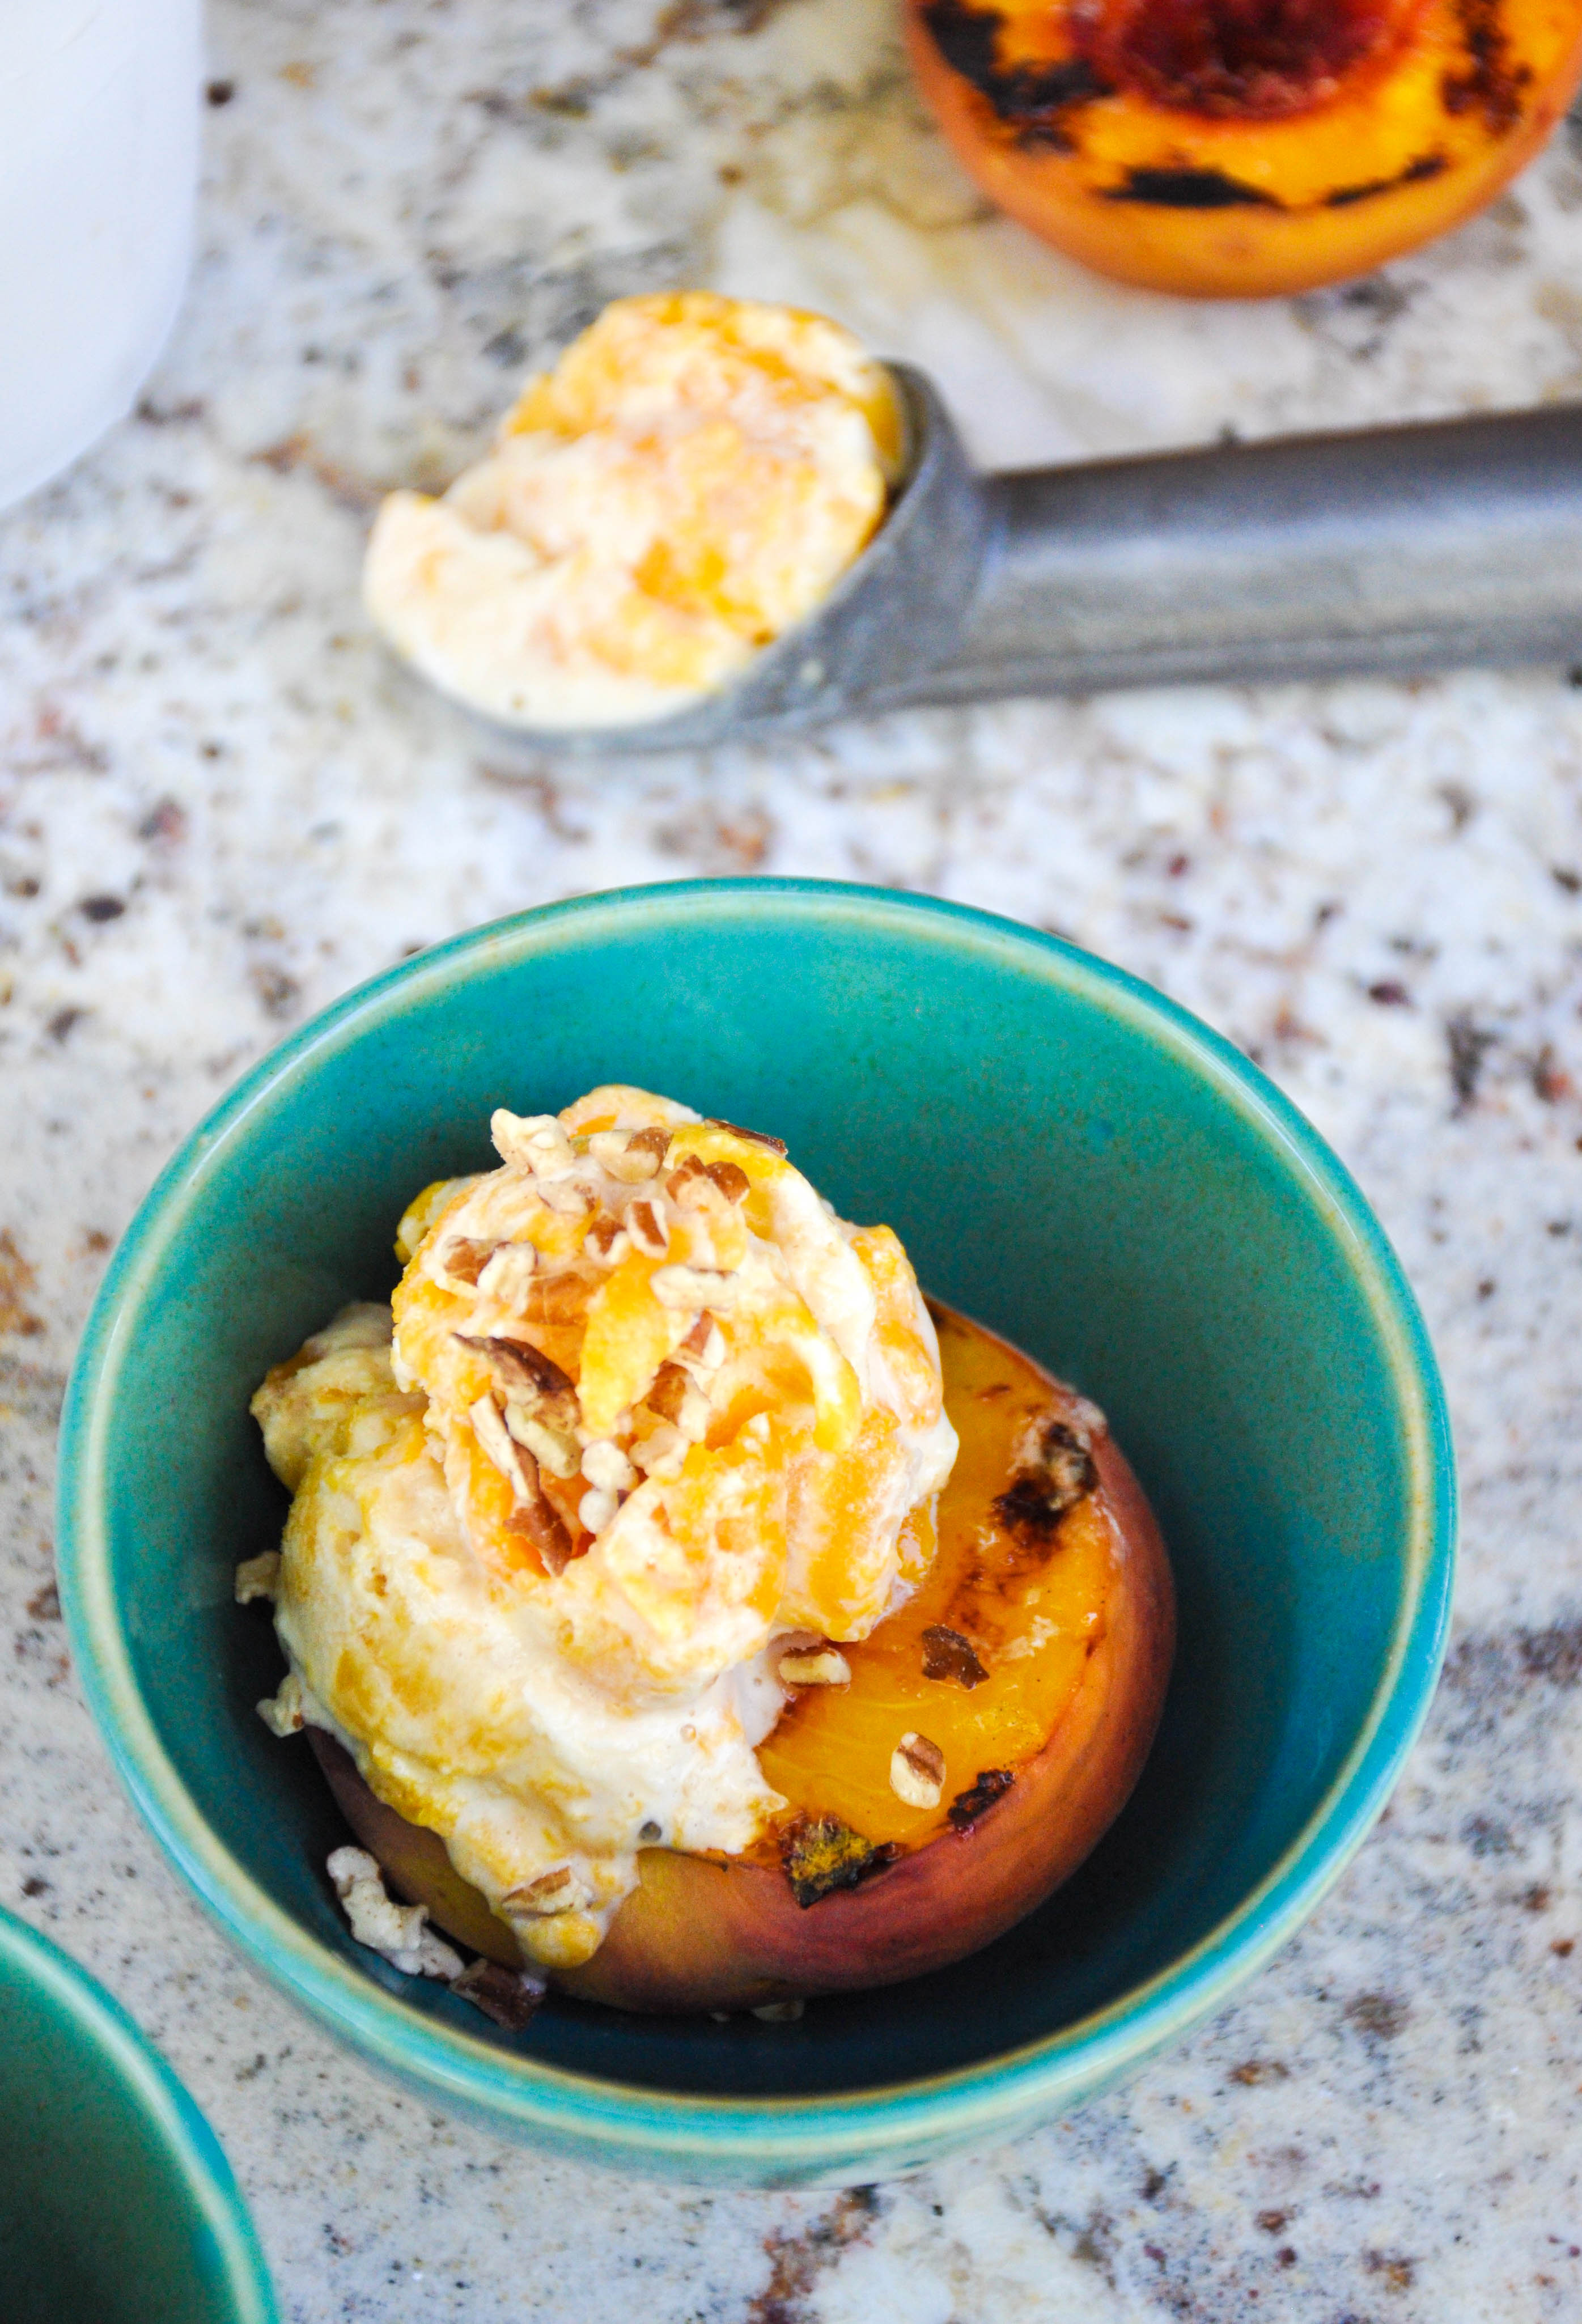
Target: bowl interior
x=1064, y=1157
x=115, y=2203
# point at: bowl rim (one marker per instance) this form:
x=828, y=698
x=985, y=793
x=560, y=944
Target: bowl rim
x=164, y=2105
x=633, y=2125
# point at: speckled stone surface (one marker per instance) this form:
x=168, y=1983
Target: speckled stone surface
x=220, y=806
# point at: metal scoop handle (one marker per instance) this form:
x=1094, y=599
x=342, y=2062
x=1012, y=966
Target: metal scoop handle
x=1401, y=550
x=1397, y=550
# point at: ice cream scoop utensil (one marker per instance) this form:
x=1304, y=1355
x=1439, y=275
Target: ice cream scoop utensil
x=1392, y=551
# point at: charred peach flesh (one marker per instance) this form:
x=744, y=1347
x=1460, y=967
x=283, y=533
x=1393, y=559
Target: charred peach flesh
x=1245, y=148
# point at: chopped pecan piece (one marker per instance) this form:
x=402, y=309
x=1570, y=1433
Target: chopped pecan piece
x=508, y=1279
x=630, y=1159
x=510, y=1998
x=533, y=1517
x=755, y=1136
x=563, y=1890
x=1037, y=1497
x=821, y=1854
x=946, y=1654
x=731, y=1180
x=704, y=1348
x=917, y=1771
x=667, y=1392
x=524, y=1375
x=689, y=1184
x=674, y=1396
x=464, y=1259
x=558, y=1298
x=698, y=1287
x=490, y=1429
x=607, y=1242
x=564, y=1196
x=604, y=1464
x=554, y=1449
x=534, y=1141
x=543, y=1529
x=824, y=1666
x=661, y=1454
x=968, y=1806
x=645, y=1224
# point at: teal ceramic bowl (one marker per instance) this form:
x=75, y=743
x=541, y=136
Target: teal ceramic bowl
x=117, y=2206
x=1068, y=1158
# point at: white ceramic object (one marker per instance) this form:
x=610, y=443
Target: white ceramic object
x=99, y=161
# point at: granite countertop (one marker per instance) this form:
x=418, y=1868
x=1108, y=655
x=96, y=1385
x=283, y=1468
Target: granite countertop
x=220, y=805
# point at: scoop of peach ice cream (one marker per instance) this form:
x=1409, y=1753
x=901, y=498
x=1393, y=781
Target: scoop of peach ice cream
x=650, y=1413
x=688, y=482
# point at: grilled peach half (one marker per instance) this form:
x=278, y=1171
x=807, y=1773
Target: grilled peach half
x=1245, y=148
x=991, y=1729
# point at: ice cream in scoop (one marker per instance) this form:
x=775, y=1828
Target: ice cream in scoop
x=687, y=482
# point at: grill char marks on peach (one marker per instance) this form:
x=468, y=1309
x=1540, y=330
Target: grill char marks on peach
x=1031, y=97
x=1008, y=1609
x=1038, y=1497
x=969, y=1808
x=1491, y=81
x=820, y=1854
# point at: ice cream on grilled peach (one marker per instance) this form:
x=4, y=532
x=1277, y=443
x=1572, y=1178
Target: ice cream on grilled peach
x=650, y=1630
x=649, y=1409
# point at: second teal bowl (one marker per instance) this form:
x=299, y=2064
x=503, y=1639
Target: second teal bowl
x=117, y=2204
x=1067, y=1157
